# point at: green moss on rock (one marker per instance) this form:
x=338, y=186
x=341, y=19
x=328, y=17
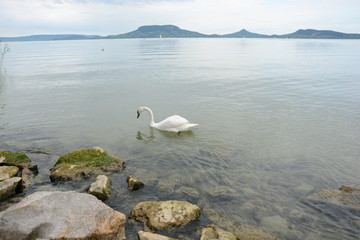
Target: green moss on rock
x=19, y=160
x=83, y=163
x=14, y=157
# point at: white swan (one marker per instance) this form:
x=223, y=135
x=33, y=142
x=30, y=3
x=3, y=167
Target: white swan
x=173, y=123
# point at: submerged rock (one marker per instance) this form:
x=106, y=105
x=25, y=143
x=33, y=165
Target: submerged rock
x=152, y=236
x=248, y=232
x=276, y=224
x=347, y=197
x=134, y=183
x=166, y=214
x=83, y=163
x=100, y=188
x=304, y=188
x=243, y=231
x=9, y=187
x=61, y=215
x=212, y=232
x=7, y=172
x=189, y=191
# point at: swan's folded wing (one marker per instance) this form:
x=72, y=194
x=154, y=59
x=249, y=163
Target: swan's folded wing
x=174, y=121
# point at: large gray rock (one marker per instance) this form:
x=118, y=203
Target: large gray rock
x=61, y=215
x=9, y=187
x=166, y=214
x=100, y=188
x=212, y=232
x=152, y=236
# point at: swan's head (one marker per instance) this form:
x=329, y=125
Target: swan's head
x=140, y=110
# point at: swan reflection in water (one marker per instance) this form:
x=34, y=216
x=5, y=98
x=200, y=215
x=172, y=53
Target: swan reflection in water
x=144, y=137
x=149, y=137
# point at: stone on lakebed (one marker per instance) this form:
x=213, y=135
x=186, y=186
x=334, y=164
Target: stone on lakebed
x=346, y=197
x=212, y=232
x=84, y=163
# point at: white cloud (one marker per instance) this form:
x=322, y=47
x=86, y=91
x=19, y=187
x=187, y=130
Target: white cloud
x=206, y=16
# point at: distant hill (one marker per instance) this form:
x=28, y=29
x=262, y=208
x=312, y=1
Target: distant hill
x=320, y=34
x=158, y=31
x=171, y=31
x=245, y=34
x=53, y=37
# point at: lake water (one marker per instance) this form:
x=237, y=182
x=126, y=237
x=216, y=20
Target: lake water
x=279, y=120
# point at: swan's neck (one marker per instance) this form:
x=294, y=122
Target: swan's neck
x=152, y=122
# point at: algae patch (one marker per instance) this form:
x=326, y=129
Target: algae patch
x=14, y=157
x=83, y=163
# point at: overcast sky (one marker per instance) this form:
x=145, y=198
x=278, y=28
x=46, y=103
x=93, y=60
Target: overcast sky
x=26, y=17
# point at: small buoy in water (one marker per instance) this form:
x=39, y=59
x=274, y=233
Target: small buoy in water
x=102, y=49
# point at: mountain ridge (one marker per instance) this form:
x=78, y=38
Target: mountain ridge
x=172, y=31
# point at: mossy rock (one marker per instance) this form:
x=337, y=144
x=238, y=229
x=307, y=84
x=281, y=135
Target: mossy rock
x=84, y=163
x=19, y=160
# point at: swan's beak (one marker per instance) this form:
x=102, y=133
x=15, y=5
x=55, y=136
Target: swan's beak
x=138, y=114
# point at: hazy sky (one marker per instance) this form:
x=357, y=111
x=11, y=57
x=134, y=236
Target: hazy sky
x=102, y=17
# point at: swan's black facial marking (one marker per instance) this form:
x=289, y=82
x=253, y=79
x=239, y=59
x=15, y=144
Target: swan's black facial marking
x=138, y=114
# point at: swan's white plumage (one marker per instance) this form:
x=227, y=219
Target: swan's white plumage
x=173, y=123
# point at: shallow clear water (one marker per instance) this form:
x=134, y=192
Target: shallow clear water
x=279, y=120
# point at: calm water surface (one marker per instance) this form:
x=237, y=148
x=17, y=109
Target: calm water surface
x=279, y=120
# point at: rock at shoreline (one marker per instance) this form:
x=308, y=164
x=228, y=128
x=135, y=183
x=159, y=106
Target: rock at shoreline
x=134, y=183
x=7, y=172
x=61, y=215
x=84, y=163
x=347, y=197
x=9, y=187
x=212, y=232
x=19, y=160
x=28, y=177
x=166, y=214
x=152, y=236
x=100, y=188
